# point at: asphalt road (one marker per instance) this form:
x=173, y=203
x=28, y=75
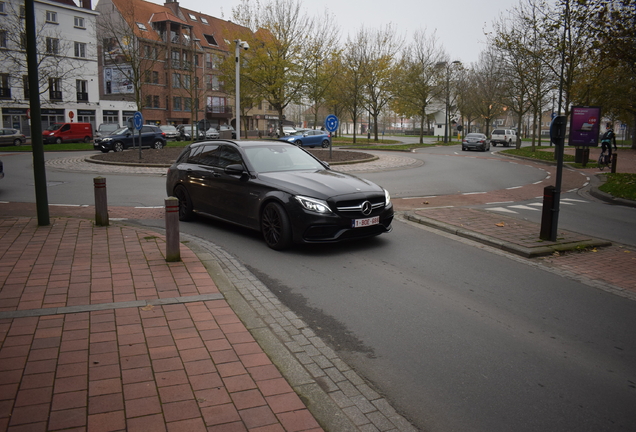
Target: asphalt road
x=457, y=336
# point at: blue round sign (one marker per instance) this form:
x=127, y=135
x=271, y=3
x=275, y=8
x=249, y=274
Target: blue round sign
x=138, y=120
x=332, y=123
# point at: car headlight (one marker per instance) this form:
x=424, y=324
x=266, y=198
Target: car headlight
x=107, y=139
x=387, y=198
x=313, y=204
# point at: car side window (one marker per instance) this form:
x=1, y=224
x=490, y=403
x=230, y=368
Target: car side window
x=228, y=156
x=208, y=155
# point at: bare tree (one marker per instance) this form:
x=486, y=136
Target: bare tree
x=415, y=77
x=282, y=50
x=488, y=88
x=379, y=67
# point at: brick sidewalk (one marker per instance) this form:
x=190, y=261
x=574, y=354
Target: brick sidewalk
x=99, y=333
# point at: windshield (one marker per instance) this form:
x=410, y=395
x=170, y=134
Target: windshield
x=108, y=127
x=272, y=158
x=56, y=126
x=120, y=131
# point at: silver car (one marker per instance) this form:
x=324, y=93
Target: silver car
x=212, y=133
x=11, y=137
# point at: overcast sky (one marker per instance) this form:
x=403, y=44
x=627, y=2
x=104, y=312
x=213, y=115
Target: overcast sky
x=459, y=24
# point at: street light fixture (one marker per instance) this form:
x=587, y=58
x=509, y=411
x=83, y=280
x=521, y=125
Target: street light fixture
x=239, y=44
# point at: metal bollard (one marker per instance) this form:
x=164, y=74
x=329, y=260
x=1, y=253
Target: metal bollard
x=173, y=253
x=101, y=203
x=614, y=160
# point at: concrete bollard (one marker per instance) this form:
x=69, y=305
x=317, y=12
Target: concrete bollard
x=101, y=203
x=173, y=252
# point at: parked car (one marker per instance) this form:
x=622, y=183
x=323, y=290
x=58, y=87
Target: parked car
x=1, y=170
x=475, y=141
x=11, y=137
x=228, y=128
x=186, y=132
x=68, y=132
x=105, y=129
x=310, y=138
x=212, y=133
x=503, y=136
x=172, y=134
x=123, y=138
x=288, y=130
x=278, y=189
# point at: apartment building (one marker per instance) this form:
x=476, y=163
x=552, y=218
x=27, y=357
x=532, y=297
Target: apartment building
x=67, y=63
x=175, y=55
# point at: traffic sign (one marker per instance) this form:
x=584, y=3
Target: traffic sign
x=138, y=120
x=332, y=123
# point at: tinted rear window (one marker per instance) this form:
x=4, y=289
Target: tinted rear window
x=499, y=132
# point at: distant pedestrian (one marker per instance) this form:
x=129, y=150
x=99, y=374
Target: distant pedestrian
x=608, y=138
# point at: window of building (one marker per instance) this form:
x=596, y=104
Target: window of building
x=55, y=88
x=155, y=77
x=176, y=103
x=155, y=100
x=187, y=104
x=204, y=20
x=3, y=38
x=22, y=11
x=25, y=85
x=5, y=88
x=210, y=39
x=79, y=22
x=82, y=90
x=142, y=26
x=52, y=45
x=176, y=58
x=2, y=8
x=192, y=17
x=80, y=49
x=148, y=103
x=176, y=80
x=51, y=17
x=187, y=80
x=150, y=52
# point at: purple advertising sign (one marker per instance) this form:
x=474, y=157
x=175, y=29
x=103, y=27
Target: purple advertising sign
x=584, y=126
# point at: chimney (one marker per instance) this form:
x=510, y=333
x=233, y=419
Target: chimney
x=86, y=4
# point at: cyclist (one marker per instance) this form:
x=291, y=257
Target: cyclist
x=607, y=139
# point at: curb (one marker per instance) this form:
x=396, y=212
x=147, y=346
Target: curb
x=502, y=244
x=603, y=196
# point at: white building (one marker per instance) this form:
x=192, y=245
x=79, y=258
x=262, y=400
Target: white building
x=67, y=63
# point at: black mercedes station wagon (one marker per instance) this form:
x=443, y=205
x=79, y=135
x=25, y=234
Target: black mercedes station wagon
x=278, y=189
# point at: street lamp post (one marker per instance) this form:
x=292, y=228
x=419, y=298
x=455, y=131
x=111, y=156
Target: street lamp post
x=239, y=44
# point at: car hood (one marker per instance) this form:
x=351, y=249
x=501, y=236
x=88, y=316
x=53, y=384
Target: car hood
x=321, y=184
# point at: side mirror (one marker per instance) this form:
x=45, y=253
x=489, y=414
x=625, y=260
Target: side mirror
x=234, y=169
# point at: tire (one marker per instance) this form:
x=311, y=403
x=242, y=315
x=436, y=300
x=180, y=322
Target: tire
x=186, y=212
x=58, y=140
x=118, y=146
x=17, y=142
x=87, y=139
x=509, y=143
x=299, y=143
x=157, y=145
x=601, y=163
x=275, y=227
x=494, y=144
x=325, y=144
x=463, y=148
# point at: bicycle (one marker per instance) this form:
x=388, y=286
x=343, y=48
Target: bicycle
x=603, y=160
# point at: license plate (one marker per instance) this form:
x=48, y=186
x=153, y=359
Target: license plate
x=359, y=223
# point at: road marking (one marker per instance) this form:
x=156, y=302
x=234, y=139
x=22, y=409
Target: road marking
x=502, y=209
x=473, y=193
x=514, y=187
x=524, y=207
x=573, y=199
x=500, y=202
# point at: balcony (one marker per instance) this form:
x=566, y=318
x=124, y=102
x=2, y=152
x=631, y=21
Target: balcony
x=55, y=95
x=5, y=93
x=219, y=111
x=82, y=97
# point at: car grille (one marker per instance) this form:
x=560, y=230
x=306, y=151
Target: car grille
x=353, y=208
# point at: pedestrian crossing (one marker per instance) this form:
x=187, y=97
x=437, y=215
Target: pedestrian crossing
x=536, y=206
